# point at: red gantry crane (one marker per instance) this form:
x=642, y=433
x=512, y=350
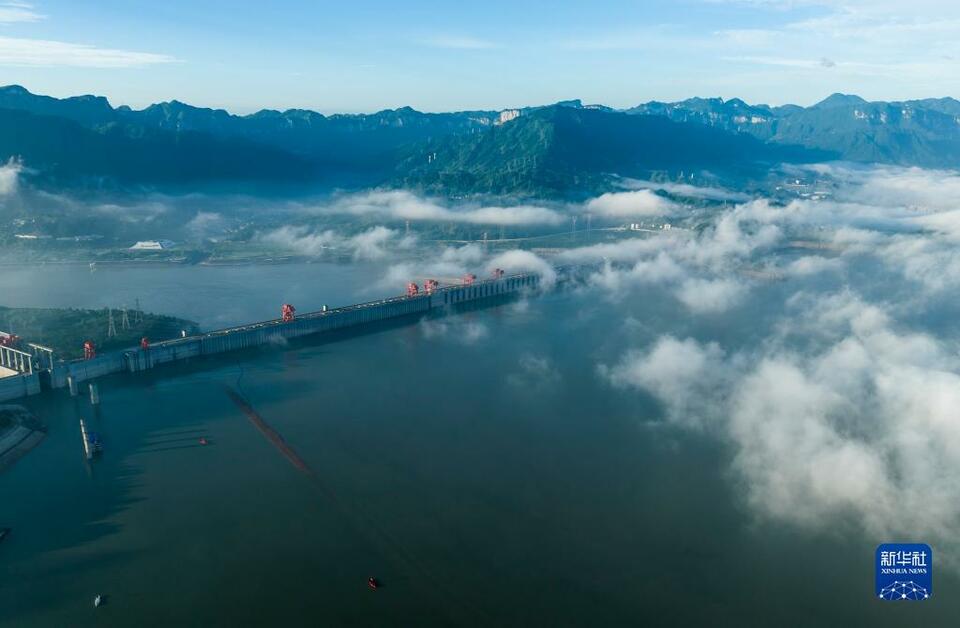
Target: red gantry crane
x=429, y=285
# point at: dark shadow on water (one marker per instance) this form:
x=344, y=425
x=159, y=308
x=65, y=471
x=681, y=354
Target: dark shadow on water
x=159, y=449
x=178, y=432
x=54, y=480
x=168, y=441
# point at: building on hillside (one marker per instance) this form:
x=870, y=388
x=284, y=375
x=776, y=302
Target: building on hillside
x=153, y=245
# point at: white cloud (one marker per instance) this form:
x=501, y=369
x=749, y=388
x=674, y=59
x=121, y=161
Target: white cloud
x=812, y=265
x=404, y=205
x=47, y=53
x=206, y=224
x=302, y=239
x=621, y=251
x=892, y=187
x=705, y=296
x=843, y=403
x=145, y=211
x=859, y=423
x=681, y=373
x=519, y=215
x=13, y=12
x=688, y=190
x=451, y=264
x=908, y=219
x=637, y=203
x=695, y=263
x=842, y=408
x=373, y=244
x=524, y=261
x=839, y=47
x=784, y=62
x=847, y=426
x=793, y=454
x=10, y=177
x=660, y=269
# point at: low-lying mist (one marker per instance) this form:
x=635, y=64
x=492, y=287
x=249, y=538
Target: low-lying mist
x=838, y=402
x=307, y=225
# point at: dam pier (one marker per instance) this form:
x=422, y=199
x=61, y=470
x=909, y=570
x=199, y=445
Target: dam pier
x=30, y=368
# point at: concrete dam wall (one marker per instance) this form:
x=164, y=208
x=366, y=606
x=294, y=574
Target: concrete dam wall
x=256, y=334
x=16, y=386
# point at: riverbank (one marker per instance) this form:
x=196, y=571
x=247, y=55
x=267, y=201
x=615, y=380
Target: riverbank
x=20, y=432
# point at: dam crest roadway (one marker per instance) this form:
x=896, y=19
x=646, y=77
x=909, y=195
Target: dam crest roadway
x=34, y=368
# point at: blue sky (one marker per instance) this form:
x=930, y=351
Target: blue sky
x=366, y=56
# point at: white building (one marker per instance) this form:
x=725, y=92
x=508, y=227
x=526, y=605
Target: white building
x=152, y=245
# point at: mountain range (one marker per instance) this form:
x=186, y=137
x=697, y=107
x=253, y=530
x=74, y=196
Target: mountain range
x=552, y=150
x=911, y=133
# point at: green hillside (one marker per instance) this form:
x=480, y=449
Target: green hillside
x=565, y=150
x=65, y=330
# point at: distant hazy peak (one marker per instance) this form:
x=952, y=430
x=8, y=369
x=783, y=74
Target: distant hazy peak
x=839, y=100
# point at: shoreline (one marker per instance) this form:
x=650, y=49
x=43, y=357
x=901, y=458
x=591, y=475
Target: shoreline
x=21, y=437
x=172, y=262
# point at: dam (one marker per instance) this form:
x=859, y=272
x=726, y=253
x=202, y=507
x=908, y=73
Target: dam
x=33, y=368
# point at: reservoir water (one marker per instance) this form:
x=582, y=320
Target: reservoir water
x=478, y=465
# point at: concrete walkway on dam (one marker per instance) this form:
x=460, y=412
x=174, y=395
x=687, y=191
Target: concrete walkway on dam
x=435, y=300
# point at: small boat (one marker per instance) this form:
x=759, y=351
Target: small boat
x=204, y=441
x=97, y=601
x=373, y=583
x=4, y=532
x=96, y=445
